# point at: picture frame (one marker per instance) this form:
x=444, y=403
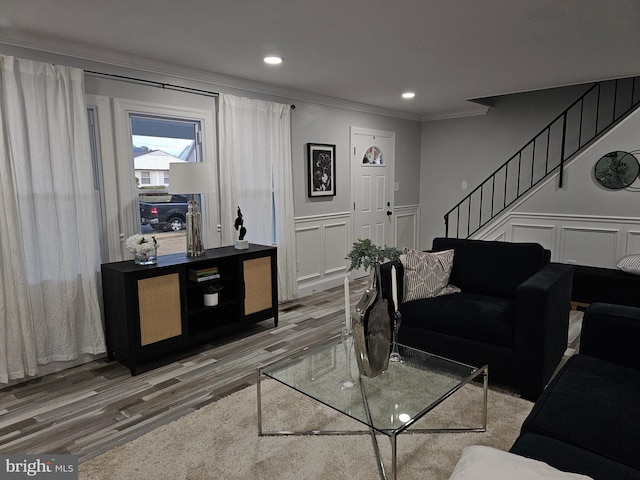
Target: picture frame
x=321, y=163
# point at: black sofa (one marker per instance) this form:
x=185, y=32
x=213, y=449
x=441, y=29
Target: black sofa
x=512, y=312
x=604, y=285
x=588, y=419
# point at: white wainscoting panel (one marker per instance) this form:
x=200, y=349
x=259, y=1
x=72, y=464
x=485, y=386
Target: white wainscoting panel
x=593, y=241
x=336, y=237
x=633, y=242
x=322, y=242
x=407, y=226
x=542, y=234
x=498, y=236
x=589, y=246
x=309, y=248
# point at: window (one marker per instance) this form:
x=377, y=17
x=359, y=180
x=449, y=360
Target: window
x=145, y=132
x=157, y=142
x=373, y=156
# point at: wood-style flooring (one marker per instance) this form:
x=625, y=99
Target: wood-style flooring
x=92, y=408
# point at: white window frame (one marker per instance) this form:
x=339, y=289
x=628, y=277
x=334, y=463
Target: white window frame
x=130, y=212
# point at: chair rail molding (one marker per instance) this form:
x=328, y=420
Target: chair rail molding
x=597, y=241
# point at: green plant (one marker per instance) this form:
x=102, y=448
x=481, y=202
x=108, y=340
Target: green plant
x=212, y=288
x=366, y=254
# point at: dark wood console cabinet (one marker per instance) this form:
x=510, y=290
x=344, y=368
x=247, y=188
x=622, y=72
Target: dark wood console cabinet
x=155, y=311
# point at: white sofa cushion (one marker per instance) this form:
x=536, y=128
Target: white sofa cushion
x=486, y=463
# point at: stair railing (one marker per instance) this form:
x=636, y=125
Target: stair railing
x=597, y=110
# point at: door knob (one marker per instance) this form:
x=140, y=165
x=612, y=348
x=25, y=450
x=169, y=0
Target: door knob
x=389, y=213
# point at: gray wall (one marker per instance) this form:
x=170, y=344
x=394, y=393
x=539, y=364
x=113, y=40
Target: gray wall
x=432, y=158
x=324, y=124
x=311, y=122
x=581, y=195
x=472, y=148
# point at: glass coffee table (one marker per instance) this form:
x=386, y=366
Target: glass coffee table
x=389, y=404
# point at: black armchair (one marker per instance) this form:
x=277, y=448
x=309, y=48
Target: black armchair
x=512, y=312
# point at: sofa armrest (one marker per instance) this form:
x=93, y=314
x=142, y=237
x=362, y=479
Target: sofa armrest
x=543, y=302
x=611, y=332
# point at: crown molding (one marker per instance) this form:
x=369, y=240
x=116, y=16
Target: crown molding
x=473, y=111
x=93, y=57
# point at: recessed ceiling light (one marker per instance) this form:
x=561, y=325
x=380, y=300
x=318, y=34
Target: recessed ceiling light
x=272, y=60
x=408, y=95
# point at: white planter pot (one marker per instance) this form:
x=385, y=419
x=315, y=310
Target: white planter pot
x=210, y=299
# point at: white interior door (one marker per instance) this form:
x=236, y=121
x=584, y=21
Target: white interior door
x=372, y=174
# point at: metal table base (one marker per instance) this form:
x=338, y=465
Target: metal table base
x=484, y=372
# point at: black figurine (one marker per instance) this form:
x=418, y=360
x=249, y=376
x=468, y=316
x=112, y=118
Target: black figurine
x=240, y=225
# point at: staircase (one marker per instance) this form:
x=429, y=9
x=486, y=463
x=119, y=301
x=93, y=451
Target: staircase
x=600, y=108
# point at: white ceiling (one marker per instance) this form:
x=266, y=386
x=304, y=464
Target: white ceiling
x=366, y=51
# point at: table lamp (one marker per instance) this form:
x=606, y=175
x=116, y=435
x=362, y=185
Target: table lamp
x=192, y=178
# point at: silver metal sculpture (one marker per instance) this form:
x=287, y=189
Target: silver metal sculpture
x=372, y=329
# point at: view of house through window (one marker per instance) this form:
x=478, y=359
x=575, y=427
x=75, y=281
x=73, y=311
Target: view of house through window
x=157, y=142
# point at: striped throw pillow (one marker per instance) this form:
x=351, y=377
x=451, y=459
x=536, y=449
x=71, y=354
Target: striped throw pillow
x=426, y=274
x=630, y=264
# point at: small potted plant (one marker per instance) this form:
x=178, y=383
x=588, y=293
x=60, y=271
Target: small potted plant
x=210, y=293
x=366, y=254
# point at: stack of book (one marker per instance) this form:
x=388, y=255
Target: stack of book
x=204, y=274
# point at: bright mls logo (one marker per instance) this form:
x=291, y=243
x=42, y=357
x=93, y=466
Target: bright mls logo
x=50, y=467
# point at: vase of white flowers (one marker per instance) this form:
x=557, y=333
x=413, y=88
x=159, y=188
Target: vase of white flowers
x=144, y=249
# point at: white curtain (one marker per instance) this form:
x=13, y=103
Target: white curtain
x=49, y=236
x=256, y=175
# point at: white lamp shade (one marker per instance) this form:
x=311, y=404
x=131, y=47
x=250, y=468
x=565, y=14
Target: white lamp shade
x=191, y=177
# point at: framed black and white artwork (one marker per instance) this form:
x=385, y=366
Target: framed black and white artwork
x=322, y=169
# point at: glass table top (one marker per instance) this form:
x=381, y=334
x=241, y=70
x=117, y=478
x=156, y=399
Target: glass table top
x=390, y=402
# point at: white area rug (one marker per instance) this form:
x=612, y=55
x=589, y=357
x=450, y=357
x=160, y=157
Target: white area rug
x=220, y=441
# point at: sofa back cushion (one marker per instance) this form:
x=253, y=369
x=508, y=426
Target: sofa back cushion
x=491, y=267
